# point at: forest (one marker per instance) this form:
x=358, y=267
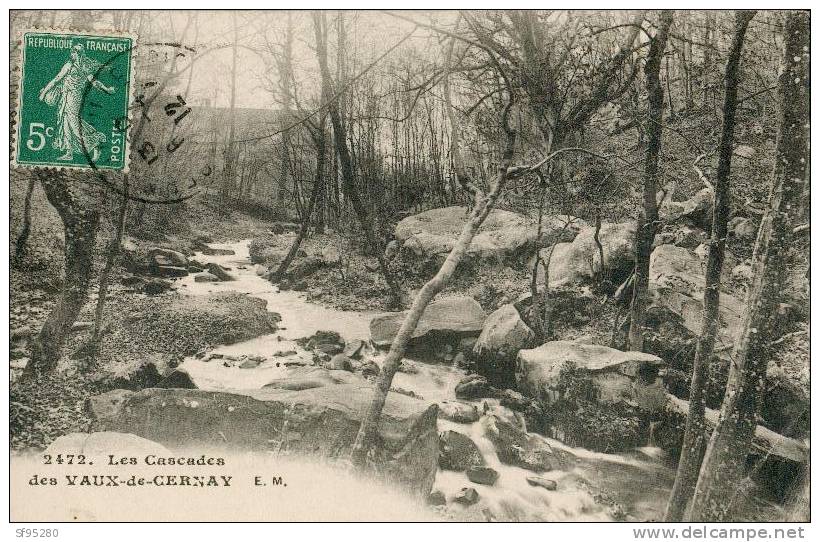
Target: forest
x=538, y=265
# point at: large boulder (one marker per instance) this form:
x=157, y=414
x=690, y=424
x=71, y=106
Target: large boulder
x=458, y=452
x=318, y=422
x=433, y=233
x=428, y=237
x=503, y=335
x=630, y=377
x=167, y=257
x=154, y=333
x=455, y=316
x=676, y=283
x=593, y=396
x=696, y=210
x=515, y=447
x=576, y=262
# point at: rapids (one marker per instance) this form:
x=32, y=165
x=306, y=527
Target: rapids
x=600, y=487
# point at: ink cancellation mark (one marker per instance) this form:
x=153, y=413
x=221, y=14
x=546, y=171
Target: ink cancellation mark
x=72, y=100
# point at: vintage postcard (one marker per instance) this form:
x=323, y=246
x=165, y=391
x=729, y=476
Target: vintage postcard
x=425, y=266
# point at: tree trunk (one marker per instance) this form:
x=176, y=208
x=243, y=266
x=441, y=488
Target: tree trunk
x=80, y=220
x=22, y=239
x=318, y=188
x=111, y=258
x=694, y=439
x=230, y=152
x=647, y=223
x=365, y=440
x=725, y=460
x=285, y=77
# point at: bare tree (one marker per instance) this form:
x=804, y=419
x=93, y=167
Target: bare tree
x=647, y=223
x=725, y=460
x=695, y=435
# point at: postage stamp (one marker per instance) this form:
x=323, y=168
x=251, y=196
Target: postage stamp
x=73, y=99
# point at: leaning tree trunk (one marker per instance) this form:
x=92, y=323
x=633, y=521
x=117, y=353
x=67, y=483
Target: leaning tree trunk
x=724, y=464
x=647, y=223
x=695, y=435
x=366, y=438
x=80, y=220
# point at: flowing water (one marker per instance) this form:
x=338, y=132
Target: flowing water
x=600, y=487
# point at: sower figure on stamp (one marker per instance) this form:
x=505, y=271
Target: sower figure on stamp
x=66, y=91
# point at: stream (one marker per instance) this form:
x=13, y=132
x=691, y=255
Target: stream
x=630, y=486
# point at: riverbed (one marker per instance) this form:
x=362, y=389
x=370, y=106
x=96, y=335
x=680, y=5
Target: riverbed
x=630, y=486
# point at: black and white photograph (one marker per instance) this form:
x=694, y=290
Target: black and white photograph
x=354, y=265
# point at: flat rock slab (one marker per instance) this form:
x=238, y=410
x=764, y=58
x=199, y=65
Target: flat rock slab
x=319, y=422
x=457, y=315
x=619, y=376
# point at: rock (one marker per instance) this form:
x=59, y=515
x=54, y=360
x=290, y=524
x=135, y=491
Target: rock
x=676, y=283
x=466, y=496
x=503, y=335
x=131, y=280
x=206, y=277
x=743, y=229
x=458, y=412
x=460, y=360
x=304, y=267
x=305, y=378
x=322, y=423
x=573, y=263
x=329, y=342
x=431, y=235
x=219, y=272
x=475, y=387
x=169, y=271
x=178, y=378
x=744, y=151
x=156, y=286
x=458, y=452
x=354, y=349
x=436, y=498
x=102, y=443
x=391, y=250
x=408, y=367
x=260, y=270
x=697, y=210
x=370, y=368
x=251, y=363
x=457, y=316
x=537, y=481
x=208, y=251
x=482, y=475
x=331, y=255
x=167, y=257
x=267, y=251
x=515, y=447
x=742, y=272
x=194, y=269
x=630, y=377
x=340, y=362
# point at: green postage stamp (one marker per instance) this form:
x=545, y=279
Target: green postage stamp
x=73, y=100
